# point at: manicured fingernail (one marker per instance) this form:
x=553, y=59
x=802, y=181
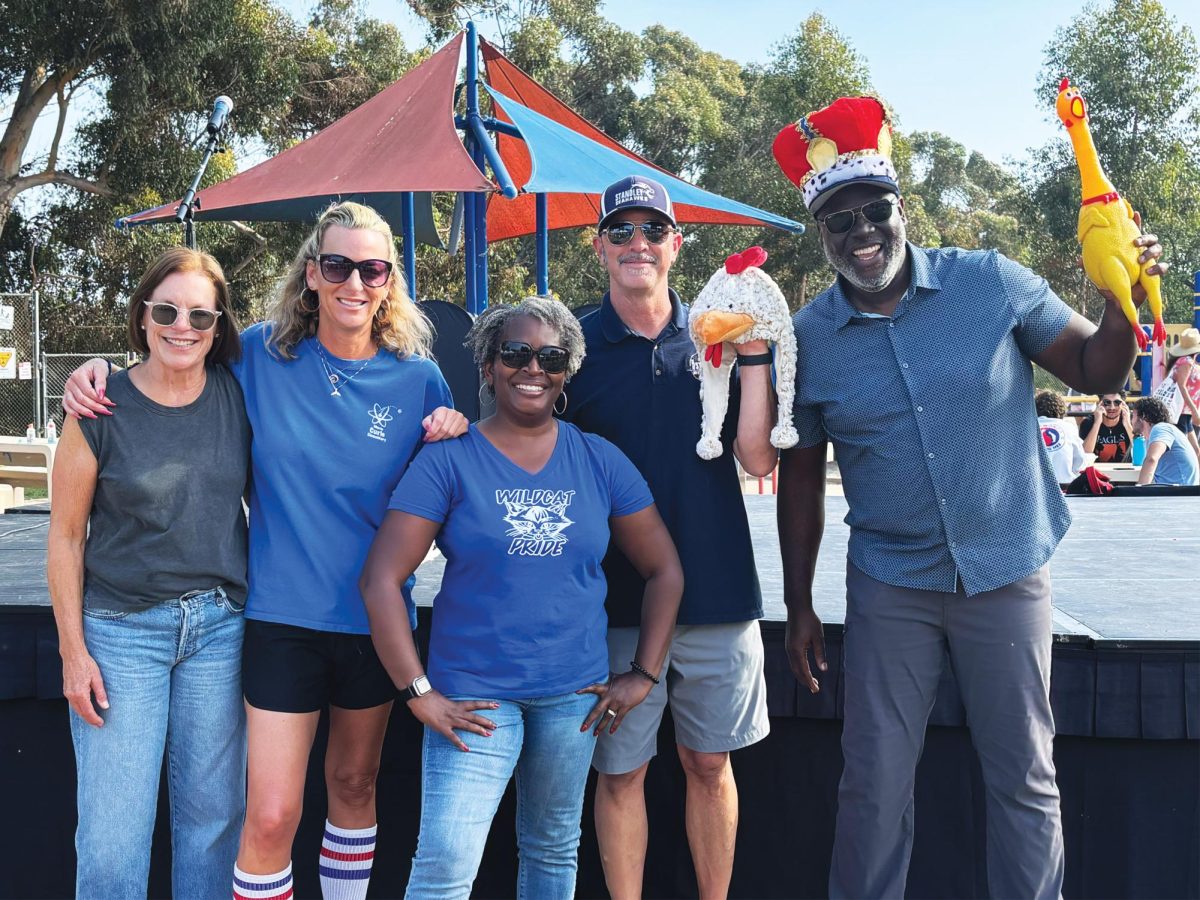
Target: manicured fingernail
x=487, y=734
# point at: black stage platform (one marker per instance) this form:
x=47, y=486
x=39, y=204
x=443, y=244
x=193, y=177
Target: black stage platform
x=1125, y=689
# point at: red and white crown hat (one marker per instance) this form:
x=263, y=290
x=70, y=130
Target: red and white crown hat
x=847, y=142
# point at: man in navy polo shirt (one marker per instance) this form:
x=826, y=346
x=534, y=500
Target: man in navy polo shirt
x=639, y=388
x=951, y=525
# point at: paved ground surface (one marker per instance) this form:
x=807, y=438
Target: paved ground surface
x=1128, y=568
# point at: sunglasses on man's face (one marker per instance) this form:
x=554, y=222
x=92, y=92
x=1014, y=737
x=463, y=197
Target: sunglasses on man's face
x=876, y=212
x=517, y=354
x=622, y=232
x=336, y=268
x=165, y=314
x=1110, y=402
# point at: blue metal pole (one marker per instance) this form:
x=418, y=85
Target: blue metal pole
x=481, y=242
x=469, y=252
x=407, y=219
x=477, y=211
x=1196, y=300
x=542, y=241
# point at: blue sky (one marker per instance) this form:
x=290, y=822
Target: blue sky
x=964, y=68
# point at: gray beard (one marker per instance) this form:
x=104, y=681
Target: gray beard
x=893, y=252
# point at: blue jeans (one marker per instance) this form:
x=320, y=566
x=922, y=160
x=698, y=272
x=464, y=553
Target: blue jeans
x=173, y=678
x=540, y=739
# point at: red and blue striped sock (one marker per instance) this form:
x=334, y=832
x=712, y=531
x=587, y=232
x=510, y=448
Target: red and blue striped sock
x=346, y=858
x=262, y=887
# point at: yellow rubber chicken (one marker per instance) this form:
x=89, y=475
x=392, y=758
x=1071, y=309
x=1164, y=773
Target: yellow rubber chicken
x=1106, y=226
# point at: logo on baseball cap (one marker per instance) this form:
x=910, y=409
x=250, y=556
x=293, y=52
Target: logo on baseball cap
x=635, y=192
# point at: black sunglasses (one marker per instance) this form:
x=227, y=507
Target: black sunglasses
x=336, y=268
x=165, y=314
x=622, y=232
x=517, y=354
x=1110, y=402
x=876, y=212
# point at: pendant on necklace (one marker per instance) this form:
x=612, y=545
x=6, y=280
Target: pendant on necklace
x=335, y=393
x=333, y=379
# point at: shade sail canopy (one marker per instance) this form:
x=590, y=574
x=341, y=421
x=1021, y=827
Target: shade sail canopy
x=571, y=160
x=402, y=139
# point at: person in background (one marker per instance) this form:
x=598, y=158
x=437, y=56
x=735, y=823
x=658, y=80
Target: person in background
x=1108, y=433
x=1060, y=436
x=1186, y=373
x=1170, y=458
x=146, y=565
x=522, y=508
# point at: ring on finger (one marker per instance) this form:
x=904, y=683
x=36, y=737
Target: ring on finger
x=611, y=712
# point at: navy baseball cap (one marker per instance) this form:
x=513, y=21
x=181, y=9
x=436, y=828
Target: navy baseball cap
x=635, y=192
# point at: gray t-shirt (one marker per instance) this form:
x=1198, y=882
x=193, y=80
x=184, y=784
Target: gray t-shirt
x=167, y=515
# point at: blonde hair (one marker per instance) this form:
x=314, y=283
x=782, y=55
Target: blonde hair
x=399, y=324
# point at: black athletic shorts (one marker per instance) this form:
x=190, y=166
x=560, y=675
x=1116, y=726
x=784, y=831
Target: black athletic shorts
x=286, y=668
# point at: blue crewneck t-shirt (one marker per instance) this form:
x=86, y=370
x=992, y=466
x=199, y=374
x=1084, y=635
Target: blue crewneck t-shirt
x=521, y=609
x=323, y=468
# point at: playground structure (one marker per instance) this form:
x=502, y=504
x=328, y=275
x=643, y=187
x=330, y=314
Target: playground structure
x=548, y=166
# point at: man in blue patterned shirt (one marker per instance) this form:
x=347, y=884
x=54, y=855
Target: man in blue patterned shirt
x=951, y=527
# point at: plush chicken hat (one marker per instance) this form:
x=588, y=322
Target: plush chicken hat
x=847, y=142
x=741, y=303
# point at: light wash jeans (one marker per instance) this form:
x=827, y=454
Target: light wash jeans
x=173, y=677
x=540, y=739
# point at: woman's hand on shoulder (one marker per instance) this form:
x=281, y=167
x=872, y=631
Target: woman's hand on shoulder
x=445, y=716
x=622, y=693
x=82, y=679
x=444, y=423
x=83, y=393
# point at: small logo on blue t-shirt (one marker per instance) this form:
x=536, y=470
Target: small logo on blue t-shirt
x=380, y=416
x=537, y=519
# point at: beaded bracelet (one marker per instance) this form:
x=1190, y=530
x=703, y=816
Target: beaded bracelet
x=641, y=670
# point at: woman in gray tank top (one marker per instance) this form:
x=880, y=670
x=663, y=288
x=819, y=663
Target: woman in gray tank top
x=147, y=574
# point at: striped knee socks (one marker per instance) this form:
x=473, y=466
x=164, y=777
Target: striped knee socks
x=262, y=887
x=346, y=858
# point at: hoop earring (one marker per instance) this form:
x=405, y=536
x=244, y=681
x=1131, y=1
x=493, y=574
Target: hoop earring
x=305, y=293
x=485, y=391
x=563, y=398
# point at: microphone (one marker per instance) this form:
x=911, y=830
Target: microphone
x=221, y=109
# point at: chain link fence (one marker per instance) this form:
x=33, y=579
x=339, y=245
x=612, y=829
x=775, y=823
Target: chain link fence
x=20, y=397
x=58, y=367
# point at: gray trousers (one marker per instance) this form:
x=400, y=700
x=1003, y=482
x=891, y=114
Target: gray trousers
x=999, y=646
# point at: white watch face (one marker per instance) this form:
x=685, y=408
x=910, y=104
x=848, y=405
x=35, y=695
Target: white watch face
x=420, y=686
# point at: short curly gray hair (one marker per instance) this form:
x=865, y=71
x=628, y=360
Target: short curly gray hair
x=485, y=335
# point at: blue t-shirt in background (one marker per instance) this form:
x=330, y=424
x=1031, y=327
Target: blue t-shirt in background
x=520, y=612
x=323, y=469
x=1178, y=464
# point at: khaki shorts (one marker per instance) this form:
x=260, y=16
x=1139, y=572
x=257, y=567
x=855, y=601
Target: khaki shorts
x=714, y=682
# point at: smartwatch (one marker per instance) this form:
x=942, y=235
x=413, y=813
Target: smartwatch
x=419, y=688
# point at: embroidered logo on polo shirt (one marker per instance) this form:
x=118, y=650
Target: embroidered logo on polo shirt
x=537, y=519
x=380, y=416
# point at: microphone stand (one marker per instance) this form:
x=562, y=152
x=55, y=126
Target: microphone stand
x=190, y=201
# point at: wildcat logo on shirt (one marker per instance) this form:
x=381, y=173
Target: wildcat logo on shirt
x=380, y=416
x=537, y=520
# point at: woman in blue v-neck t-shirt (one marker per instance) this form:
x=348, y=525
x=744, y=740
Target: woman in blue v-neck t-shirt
x=522, y=507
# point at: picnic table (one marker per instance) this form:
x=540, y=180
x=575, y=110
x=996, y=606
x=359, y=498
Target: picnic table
x=24, y=463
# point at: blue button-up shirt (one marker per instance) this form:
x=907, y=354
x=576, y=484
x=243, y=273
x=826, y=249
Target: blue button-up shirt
x=643, y=394
x=931, y=414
